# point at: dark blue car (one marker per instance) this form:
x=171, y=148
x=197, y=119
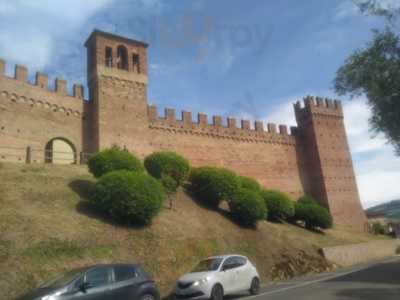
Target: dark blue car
x=100, y=282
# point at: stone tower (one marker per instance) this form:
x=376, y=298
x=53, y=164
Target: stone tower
x=117, y=80
x=327, y=160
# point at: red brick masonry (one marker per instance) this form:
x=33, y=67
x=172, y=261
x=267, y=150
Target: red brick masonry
x=312, y=158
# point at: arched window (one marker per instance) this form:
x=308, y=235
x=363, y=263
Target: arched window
x=60, y=151
x=136, y=63
x=122, y=58
x=109, y=58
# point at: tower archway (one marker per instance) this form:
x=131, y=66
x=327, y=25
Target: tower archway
x=60, y=151
x=122, y=58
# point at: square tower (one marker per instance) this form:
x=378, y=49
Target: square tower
x=117, y=80
x=327, y=160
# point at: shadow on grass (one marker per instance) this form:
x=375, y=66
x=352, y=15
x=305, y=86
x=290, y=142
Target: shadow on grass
x=223, y=212
x=301, y=224
x=84, y=188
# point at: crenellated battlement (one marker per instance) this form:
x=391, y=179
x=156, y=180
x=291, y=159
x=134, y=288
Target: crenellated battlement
x=319, y=105
x=42, y=81
x=235, y=129
x=312, y=158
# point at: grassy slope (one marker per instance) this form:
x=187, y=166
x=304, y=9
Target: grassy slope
x=46, y=227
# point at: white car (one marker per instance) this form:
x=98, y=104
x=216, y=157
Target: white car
x=215, y=277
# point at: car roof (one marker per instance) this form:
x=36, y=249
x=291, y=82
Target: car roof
x=227, y=255
x=112, y=265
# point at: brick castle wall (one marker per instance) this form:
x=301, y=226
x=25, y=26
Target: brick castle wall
x=312, y=158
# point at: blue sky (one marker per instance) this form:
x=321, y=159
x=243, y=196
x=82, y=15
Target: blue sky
x=248, y=59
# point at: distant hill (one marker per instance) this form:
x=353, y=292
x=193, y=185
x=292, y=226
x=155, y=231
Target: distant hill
x=390, y=209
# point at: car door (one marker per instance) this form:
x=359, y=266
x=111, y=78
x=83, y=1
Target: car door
x=227, y=275
x=126, y=282
x=97, y=285
x=242, y=280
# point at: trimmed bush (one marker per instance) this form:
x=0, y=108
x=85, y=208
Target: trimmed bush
x=247, y=207
x=279, y=204
x=249, y=183
x=113, y=159
x=213, y=185
x=169, y=165
x=307, y=200
x=169, y=184
x=129, y=197
x=313, y=215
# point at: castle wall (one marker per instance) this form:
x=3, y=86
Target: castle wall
x=32, y=115
x=270, y=156
x=313, y=158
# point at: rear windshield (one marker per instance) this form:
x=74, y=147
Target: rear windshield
x=211, y=264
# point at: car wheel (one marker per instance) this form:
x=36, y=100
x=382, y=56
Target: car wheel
x=217, y=292
x=255, y=286
x=147, y=296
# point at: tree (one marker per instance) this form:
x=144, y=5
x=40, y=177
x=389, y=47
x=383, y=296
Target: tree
x=375, y=72
x=386, y=9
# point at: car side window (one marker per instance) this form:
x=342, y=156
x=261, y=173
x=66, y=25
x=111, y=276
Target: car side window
x=97, y=277
x=240, y=261
x=122, y=273
x=229, y=263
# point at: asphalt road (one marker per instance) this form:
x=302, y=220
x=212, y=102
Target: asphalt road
x=377, y=281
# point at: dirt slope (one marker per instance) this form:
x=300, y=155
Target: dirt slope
x=46, y=226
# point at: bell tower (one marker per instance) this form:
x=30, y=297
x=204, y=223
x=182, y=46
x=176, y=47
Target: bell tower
x=117, y=80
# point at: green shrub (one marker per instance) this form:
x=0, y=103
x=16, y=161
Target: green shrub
x=313, y=215
x=279, y=204
x=307, y=200
x=129, y=197
x=247, y=207
x=213, y=185
x=378, y=228
x=249, y=183
x=113, y=159
x=167, y=164
x=169, y=184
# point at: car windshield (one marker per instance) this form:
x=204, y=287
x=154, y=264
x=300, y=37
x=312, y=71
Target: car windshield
x=210, y=264
x=62, y=279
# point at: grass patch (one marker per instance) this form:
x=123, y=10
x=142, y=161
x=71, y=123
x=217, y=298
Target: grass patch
x=33, y=168
x=52, y=249
x=248, y=249
x=5, y=250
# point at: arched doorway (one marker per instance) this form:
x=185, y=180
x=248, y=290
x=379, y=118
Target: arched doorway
x=60, y=151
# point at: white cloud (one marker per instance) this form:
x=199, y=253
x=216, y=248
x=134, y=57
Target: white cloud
x=345, y=9
x=30, y=48
x=50, y=25
x=282, y=114
x=378, y=187
x=357, y=114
